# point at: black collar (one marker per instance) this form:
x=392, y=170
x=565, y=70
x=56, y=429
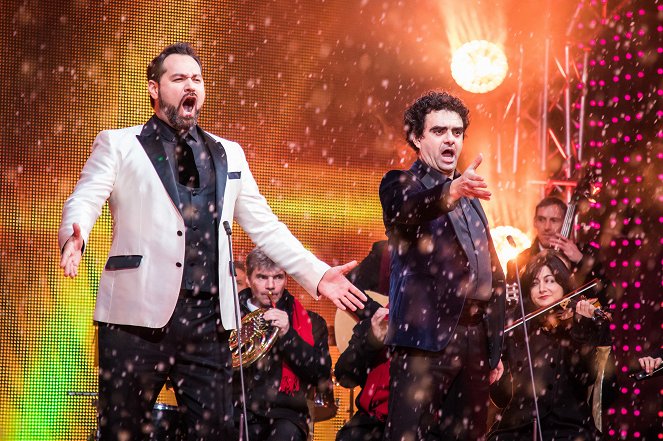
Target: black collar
x=429, y=176
x=168, y=133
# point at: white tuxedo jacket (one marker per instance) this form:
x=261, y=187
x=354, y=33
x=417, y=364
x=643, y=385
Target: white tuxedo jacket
x=141, y=282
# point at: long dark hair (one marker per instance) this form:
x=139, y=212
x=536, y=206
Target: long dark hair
x=558, y=268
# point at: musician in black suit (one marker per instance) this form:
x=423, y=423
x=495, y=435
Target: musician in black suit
x=446, y=290
x=582, y=259
x=277, y=384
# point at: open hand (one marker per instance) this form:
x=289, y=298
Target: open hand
x=470, y=184
x=339, y=290
x=72, y=253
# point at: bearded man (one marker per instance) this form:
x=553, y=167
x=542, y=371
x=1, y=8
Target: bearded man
x=165, y=304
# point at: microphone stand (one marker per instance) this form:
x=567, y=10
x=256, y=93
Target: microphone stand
x=537, y=420
x=243, y=424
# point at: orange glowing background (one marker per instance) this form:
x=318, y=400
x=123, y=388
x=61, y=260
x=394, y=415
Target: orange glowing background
x=313, y=90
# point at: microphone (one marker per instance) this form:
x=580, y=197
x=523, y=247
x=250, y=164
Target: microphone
x=226, y=226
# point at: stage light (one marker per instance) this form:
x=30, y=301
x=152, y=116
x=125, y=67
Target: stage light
x=506, y=252
x=479, y=66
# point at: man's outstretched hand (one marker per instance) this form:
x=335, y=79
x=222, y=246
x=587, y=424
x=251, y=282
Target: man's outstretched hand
x=470, y=184
x=339, y=290
x=72, y=253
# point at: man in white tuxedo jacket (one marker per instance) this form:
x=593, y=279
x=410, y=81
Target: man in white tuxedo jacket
x=165, y=303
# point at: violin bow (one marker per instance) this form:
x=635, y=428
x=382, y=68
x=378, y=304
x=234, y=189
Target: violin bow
x=540, y=311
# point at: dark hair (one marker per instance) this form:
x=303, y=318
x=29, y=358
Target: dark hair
x=550, y=201
x=155, y=69
x=257, y=259
x=554, y=261
x=415, y=115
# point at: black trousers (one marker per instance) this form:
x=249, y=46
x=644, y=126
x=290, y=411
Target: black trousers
x=273, y=429
x=134, y=362
x=361, y=427
x=553, y=428
x=440, y=395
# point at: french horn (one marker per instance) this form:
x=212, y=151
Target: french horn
x=257, y=337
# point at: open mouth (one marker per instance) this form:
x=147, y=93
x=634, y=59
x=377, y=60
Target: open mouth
x=448, y=154
x=188, y=105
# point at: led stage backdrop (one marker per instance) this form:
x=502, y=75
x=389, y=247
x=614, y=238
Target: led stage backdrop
x=314, y=91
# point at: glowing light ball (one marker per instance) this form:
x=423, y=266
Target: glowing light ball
x=506, y=252
x=479, y=66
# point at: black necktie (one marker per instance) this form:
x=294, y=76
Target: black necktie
x=186, y=164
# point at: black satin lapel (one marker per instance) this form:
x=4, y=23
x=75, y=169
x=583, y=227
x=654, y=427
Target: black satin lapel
x=497, y=272
x=477, y=206
x=155, y=151
x=454, y=218
x=220, y=160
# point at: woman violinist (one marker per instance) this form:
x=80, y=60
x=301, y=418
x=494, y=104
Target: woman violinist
x=562, y=346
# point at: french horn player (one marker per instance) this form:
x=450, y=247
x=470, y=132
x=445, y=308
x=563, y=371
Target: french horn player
x=277, y=381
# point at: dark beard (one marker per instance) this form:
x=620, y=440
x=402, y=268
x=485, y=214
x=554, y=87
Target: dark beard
x=179, y=123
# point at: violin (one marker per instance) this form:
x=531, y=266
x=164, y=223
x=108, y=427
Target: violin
x=566, y=306
x=567, y=311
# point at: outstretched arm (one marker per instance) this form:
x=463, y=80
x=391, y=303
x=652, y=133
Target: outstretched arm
x=84, y=206
x=272, y=236
x=406, y=201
